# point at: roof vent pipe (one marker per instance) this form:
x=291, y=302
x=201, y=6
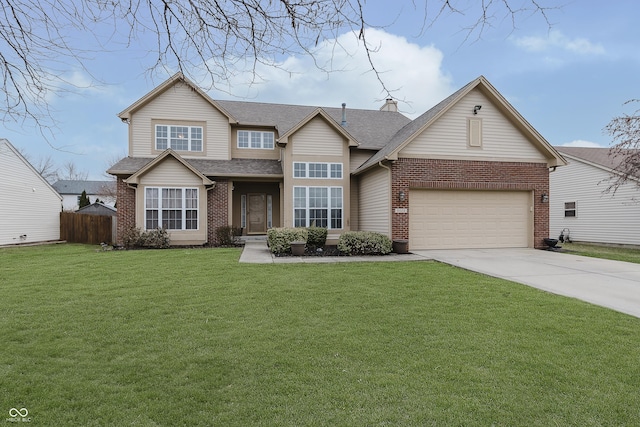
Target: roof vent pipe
x=344, y=114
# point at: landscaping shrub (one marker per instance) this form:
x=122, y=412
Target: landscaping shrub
x=227, y=235
x=316, y=238
x=280, y=239
x=156, y=239
x=136, y=238
x=131, y=238
x=364, y=243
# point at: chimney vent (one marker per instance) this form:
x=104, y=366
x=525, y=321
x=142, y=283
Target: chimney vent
x=344, y=114
x=390, y=105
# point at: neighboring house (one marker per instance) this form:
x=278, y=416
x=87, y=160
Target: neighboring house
x=29, y=206
x=71, y=190
x=581, y=205
x=98, y=208
x=470, y=172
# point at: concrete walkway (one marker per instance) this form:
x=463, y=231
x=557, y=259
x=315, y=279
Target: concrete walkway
x=611, y=284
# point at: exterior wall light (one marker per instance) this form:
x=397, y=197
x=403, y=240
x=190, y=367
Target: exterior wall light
x=402, y=196
x=544, y=198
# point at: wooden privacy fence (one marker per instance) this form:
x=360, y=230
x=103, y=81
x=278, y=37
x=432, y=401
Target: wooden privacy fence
x=84, y=228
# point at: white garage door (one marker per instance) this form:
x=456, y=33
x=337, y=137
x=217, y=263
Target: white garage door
x=440, y=219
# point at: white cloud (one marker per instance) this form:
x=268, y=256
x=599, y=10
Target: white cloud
x=581, y=143
x=557, y=40
x=414, y=75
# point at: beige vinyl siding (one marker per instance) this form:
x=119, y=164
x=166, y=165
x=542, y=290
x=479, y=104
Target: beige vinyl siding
x=317, y=142
x=180, y=104
x=448, y=137
x=354, y=201
x=358, y=157
x=374, y=201
x=317, y=138
x=252, y=153
x=172, y=174
x=600, y=218
x=29, y=205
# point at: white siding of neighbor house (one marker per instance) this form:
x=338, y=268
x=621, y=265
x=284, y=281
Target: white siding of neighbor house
x=374, y=201
x=180, y=103
x=448, y=137
x=29, y=206
x=70, y=201
x=601, y=218
x=172, y=174
x=317, y=138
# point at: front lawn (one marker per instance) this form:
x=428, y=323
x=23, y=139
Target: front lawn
x=192, y=337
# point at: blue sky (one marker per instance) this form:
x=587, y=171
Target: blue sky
x=568, y=80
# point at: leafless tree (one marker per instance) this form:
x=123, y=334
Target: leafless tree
x=208, y=40
x=71, y=172
x=45, y=166
x=625, y=133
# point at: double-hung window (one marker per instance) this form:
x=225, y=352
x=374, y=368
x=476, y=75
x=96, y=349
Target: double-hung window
x=569, y=209
x=317, y=170
x=255, y=139
x=171, y=208
x=179, y=138
x=317, y=206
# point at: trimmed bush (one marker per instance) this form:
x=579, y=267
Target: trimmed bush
x=316, y=238
x=156, y=239
x=136, y=238
x=280, y=239
x=364, y=243
x=227, y=236
x=131, y=238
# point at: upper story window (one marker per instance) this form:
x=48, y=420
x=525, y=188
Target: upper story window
x=317, y=170
x=179, y=138
x=255, y=139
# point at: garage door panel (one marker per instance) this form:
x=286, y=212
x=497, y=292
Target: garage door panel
x=440, y=219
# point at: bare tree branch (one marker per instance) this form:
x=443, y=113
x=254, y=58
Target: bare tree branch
x=625, y=134
x=210, y=40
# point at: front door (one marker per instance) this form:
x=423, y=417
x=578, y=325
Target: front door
x=256, y=213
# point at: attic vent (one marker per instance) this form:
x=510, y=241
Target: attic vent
x=475, y=132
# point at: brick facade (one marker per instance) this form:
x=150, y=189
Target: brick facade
x=469, y=175
x=217, y=209
x=126, y=200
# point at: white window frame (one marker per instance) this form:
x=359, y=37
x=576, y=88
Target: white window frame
x=306, y=169
x=161, y=210
x=573, y=209
x=302, y=205
x=255, y=140
x=194, y=137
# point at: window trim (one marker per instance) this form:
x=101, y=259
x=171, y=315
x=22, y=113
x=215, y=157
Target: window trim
x=249, y=142
x=329, y=208
x=573, y=209
x=190, y=139
x=183, y=208
x=307, y=169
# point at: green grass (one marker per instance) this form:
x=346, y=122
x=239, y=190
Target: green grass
x=191, y=337
x=603, y=251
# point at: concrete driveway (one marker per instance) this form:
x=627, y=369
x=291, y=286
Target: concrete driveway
x=612, y=284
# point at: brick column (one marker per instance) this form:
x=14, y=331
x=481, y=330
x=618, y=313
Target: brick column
x=126, y=200
x=217, y=209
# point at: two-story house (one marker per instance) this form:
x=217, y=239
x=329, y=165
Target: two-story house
x=470, y=172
